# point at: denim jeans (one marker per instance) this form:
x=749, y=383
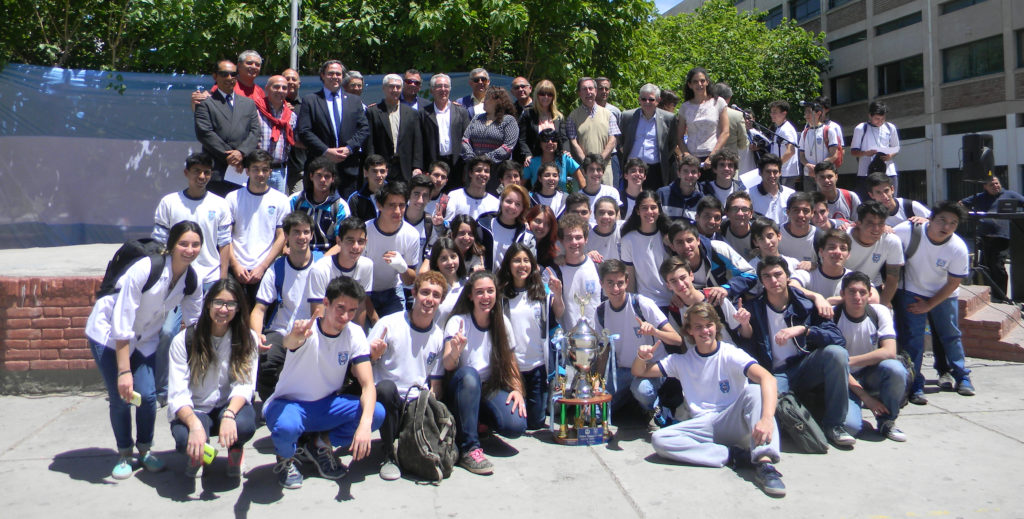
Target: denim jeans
x=388, y=301
x=945, y=328
x=535, y=384
x=644, y=390
x=245, y=425
x=278, y=179
x=886, y=381
x=470, y=406
x=121, y=411
x=828, y=367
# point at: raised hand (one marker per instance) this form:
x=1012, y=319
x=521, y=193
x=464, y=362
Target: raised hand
x=379, y=345
x=646, y=328
x=742, y=315
x=301, y=330
x=459, y=341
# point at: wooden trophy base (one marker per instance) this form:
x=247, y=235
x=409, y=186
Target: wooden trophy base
x=573, y=430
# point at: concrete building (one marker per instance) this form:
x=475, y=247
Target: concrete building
x=944, y=68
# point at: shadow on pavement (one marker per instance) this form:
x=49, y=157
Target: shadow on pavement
x=92, y=464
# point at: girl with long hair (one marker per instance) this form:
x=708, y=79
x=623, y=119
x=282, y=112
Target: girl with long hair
x=123, y=331
x=446, y=258
x=643, y=247
x=485, y=384
x=212, y=379
x=544, y=226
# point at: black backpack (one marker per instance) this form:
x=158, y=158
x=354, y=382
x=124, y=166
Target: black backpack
x=799, y=425
x=129, y=253
x=426, y=439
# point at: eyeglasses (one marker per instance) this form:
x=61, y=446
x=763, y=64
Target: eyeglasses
x=220, y=303
x=479, y=80
x=412, y=82
x=226, y=73
x=517, y=87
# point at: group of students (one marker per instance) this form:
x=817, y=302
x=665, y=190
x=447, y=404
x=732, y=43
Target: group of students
x=336, y=312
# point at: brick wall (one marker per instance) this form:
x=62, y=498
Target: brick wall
x=848, y=14
x=812, y=26
x=42, y=324
x=1018, y=82
x=880, y=6
x=973, y=93
x=904, y=105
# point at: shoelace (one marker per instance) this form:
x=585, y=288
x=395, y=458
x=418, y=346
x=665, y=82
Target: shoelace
x=477, y=455
x=324, y=452
x=770, y=469
x=285, y=464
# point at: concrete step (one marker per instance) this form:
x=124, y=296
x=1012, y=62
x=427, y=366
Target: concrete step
x=991, y=322
x=1009, y=348
x=973, y=298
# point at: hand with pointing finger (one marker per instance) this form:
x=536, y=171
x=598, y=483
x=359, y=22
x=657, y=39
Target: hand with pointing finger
x=379, y=345
x=646, y=328
x=458, y=342
x=742, y=315
x=301, y=330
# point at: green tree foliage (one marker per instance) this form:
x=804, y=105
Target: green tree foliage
x=760, y=65
x=557, y=40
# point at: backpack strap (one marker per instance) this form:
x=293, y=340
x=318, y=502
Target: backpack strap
x=635, y=301
x=916, y=231
x=849, y=199
x=156, y=268
x=872, y=314
x=908, y=207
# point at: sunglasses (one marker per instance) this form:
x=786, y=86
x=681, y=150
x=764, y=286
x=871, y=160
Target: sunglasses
x=479, y=80
x=549, y=139
x=412, y=82
x=650, y=100
x=520, y=86
x=226, y=73
x=545, y=94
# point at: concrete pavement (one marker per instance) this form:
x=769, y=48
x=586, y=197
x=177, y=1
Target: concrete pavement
x=962, y=460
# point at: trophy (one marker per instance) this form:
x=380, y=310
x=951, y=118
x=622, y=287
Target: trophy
x=584, y=350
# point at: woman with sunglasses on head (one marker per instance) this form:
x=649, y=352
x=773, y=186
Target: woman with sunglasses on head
x=123, y=330
x=212, y=379
x=533, y=308
x=494, y=133
x=541, y=115
x=570, y=176
x=485, y=385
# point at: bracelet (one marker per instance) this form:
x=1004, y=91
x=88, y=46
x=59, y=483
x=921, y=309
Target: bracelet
x=123, y=372
x=224, y=414
x=226, y=417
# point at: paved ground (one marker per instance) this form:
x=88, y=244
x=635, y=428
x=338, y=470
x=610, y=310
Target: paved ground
x=963, y=460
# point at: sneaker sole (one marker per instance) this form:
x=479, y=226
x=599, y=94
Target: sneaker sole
x=965, y=392
x=479, y=472
x=292, y=486
x=774, y=492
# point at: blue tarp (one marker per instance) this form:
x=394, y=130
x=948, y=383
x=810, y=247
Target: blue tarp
x=85, y=155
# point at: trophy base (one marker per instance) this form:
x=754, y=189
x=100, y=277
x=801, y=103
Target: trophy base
x=584, y=421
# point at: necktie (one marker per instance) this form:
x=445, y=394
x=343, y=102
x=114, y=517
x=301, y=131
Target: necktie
x=337, y=119
x=231, y=101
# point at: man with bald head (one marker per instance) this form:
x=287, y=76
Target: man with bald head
x=227, y=125
x=277, y=127
x=297, y=157
x=521, y=91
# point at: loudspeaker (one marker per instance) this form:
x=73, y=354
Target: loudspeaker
x=978, y=158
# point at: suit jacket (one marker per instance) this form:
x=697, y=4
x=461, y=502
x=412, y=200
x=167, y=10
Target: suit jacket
x=221, y=128
x=737, y=133
x=458, y=121
x=314, y=129
x=421, y=103
x=466, y=102
x=409, y=155
x=665, y=129
x=529, y=135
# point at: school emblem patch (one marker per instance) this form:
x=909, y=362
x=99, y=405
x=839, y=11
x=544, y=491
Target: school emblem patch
x=272, y=210
x=342, y=358
x=941, y=263
x=876, y=256
x=211, y=215
x=431, y=358
x=723, y=385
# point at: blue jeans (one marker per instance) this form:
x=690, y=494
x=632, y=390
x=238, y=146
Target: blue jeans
x=828, y=367
x=245, y=424
x=279, y=179
x=886, y=381
x=337, y=414
x=616, y=169
x=388, y=301
x=644, y=390
x=121, y=411
x=945, y=328
x=535, y=384
x=469, y=405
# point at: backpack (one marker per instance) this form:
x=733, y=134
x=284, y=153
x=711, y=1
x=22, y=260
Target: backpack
x=131, y=252
x=839, y=145
x=426, y=439
x=799, y=425
x=845, y=193
x=877, y=165
x=916, y=230
x=908, y=207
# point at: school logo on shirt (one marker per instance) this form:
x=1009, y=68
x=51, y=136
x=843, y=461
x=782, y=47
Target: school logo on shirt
x=723, y=385
x=431, y=358
x=941, y=263
x=211, y=215
x=342, y=358
x=591, y=286
x=271, y=210
x=876, y=256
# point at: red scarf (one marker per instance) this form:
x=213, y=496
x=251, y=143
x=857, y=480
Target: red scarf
x=277, y=123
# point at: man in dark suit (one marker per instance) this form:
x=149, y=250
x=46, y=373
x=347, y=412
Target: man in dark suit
x=228, y=127
x=333, y=124
x=395, y=132
x=443, y=123
x=648, y=133
x=411, y=90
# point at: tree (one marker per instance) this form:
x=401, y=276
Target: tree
x=760, y=64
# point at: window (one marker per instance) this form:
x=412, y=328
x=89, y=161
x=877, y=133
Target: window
x=973, y=59
x=832, y=4
x=902, y=75
x=803, y=10
x=773, y=17
x=846, y=41
x=850, y=87
x=1020, y=49
x=914, y=132
x=975, y=126
x=913, y=184
x=898, y=23
x=956, y=5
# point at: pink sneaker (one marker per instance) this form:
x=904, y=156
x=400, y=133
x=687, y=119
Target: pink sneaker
x=475, y=462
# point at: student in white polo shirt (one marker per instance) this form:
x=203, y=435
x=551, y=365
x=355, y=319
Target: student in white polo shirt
x=321, y=351
x=394, y=246
x=405, y=351
x=796, y=236
x=878, y=380
x=770, y=197
x=473, y=199
x=937, y=261
x=875, y=252
x=349, y=262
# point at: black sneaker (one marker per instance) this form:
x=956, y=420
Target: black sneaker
x=287, y=473
x=839, y=437
x=324, y=459
x=769, y=479
x=918, y=399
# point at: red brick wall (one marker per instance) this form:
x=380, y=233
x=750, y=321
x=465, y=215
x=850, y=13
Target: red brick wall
x=42, y=323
